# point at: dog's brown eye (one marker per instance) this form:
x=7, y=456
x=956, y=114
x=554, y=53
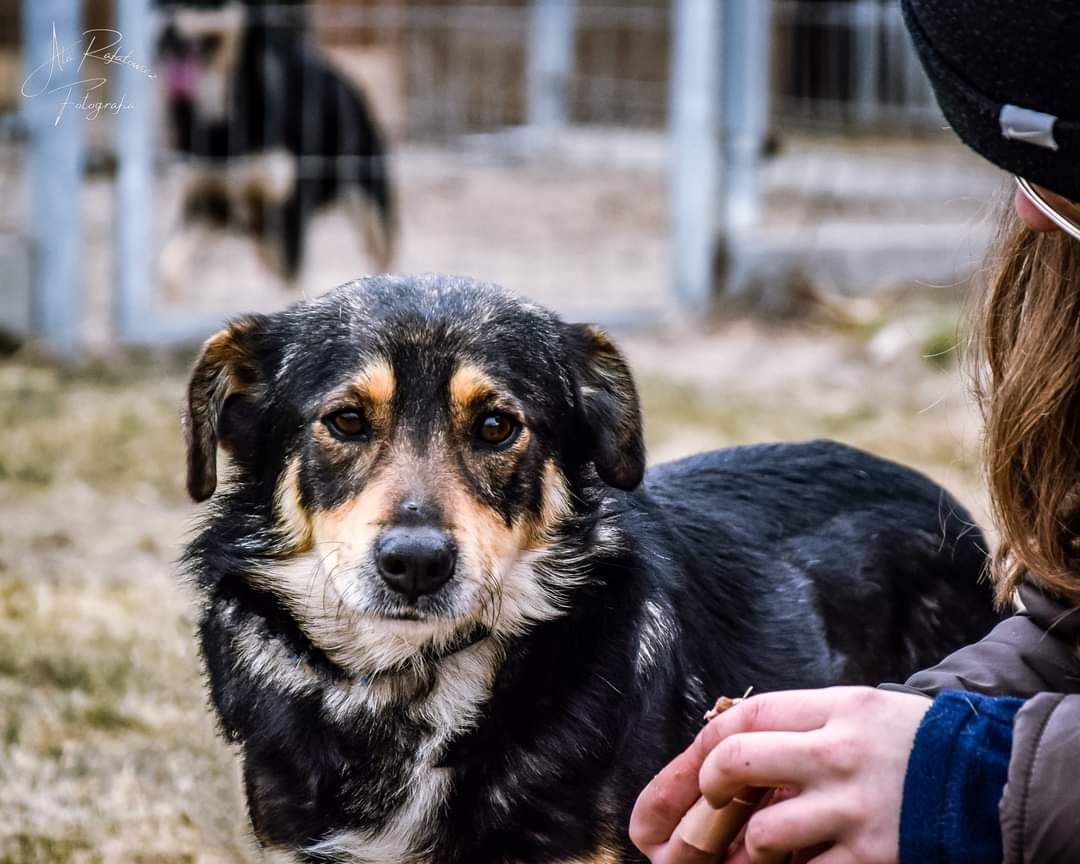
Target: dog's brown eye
x=496, y=429
x=347, y=424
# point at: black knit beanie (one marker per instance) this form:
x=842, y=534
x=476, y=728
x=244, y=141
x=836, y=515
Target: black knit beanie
x=1007, y=77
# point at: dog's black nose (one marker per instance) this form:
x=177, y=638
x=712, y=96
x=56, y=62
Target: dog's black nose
x=415, y=561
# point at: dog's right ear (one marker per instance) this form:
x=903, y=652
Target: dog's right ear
x=228, y=366
x=609, y=406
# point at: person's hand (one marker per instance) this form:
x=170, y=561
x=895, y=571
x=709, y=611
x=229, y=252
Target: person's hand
x=842, y=753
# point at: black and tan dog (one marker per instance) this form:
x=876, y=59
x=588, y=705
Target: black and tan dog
x=447, y=620
x=273, y=132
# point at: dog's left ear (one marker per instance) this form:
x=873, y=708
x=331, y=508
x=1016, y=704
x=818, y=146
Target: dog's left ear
x=609, y=406
x=223, y=383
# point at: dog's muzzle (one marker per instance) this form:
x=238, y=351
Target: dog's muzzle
x=415, y=561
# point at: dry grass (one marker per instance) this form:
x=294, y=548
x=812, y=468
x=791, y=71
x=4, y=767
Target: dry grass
x=107, y=751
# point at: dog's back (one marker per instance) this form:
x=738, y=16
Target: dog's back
x=857, y=569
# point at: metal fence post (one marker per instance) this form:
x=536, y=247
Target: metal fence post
x=51, y=37
x=550, y=62
x=695, y=149
x=746, y=40
x=133, y=141
x=866, y=59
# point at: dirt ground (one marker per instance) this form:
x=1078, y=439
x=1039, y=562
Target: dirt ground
x=107, y=750
x=584, y=230
x=584, y=241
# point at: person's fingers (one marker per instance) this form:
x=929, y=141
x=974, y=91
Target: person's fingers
x=805, y=856
x=835, y=855
x=783, y=711
x=678, y=851
x=782, y=829
x=670, y=794
x=759, y=759
x=666, y=799
x=738, y=853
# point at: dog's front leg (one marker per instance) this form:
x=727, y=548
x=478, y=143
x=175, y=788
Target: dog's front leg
x=177, y=257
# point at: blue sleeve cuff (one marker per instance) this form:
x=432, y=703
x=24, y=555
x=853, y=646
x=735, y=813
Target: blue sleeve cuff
x=955, y=778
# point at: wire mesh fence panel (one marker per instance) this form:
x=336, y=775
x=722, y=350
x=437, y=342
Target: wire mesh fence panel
x=864, y=185
x=848, y=65
x=411, y=151
x=622, y=64
x=301, y=143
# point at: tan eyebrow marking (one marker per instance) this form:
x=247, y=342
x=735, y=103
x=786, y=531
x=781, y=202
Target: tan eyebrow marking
x=468, y=385
x=376, y=382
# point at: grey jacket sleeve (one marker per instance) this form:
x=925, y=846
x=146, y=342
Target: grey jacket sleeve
x=1033, y=654
x=1040, y=810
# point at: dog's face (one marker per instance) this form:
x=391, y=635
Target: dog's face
x=198, y=45
x=409, y=457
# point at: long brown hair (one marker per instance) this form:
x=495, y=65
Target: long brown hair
x=1027, y=379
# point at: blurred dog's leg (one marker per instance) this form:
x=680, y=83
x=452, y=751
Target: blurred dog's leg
x=266, y=187
x=175, y=264
x=206, y=206
x=377, y=233
x=279, y=240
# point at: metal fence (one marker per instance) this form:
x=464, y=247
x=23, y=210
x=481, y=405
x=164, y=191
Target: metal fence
x=848, y=66
x=835, y=64
x=14, y=233
x=593, y=155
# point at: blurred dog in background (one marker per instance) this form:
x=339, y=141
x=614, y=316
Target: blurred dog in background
x=273, y=132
